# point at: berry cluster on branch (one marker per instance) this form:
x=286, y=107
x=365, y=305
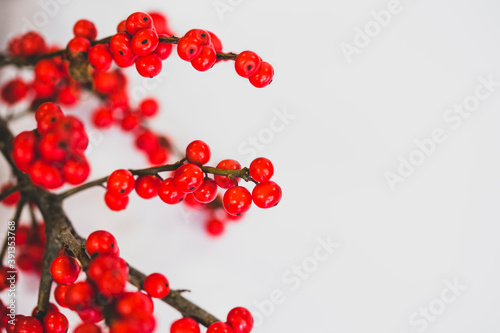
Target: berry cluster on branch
x=90, y=277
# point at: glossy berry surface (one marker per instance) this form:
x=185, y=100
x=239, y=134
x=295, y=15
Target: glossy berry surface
x=28, y=325
x=116, y=203
x=240, y=320
x=85, y=28
x=147, y=186
x=101, y=242
x=120, y=183
x=55, y=322
x=149, y=65
x=188, y=178
x=144, y=42
x=64, y=269
x=185, y=325
x=237, y=200
x=188, y=48
x=261, y=169
x=156, y=285
x=247, y=63
x=138, y=21
x=219, y=327
x=267, y=194
x=263, y=76
x=224, y=181
x=169, y=193
x=205, y=60
x=198, y=152
x=207, y=192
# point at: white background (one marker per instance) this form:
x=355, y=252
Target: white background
x=352, y=122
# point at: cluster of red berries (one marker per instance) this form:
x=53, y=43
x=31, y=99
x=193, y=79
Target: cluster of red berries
x=53, y=154
x=30, y=247
x=53, y=322
x=250, y=66
x=200, y=48
x=27, y=45
x=104, y=289
x=239, y=320
x=189, y=178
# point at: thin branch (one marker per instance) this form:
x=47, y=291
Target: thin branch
x=5, y=193
x=241, y=173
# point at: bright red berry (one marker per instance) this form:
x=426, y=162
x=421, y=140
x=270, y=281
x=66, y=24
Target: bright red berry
x=264, y=75
x=160, y=23
x=100, y=57
x=144, y=42
x=120, y=183
x=148, y=107
x=138, y=21
x=122, y=26
x=124, y=61
x=216, y=42
x=207, y=192
x=78, y=44
x=202, y=37
x=149, y=65
x=158, y=155
x=120, y=45
x=53, y=146
x=188, y=178
x=198, y=152
x=130, y=122
x=205, y=60
x=237, y=200
x=134, y=304
x=60, y=294
x=240, y=320
x=169, y=193
x=247, y=63
x=185, y=325
x=214, y=227
x=45, y=175
x=147, y=141
x=103, y=117
x=188, y=48
x=65, y=269
x=224, y=181
x=14, y=91
x=76, y=169
x=147, y=186
x=267, y=194
x=219, y=327
x=261, y=169
x=87, y=328
x=28, y=325
x=101, y=242
x=80, y=296
x=156, y=285
x=47, y=71
x=55, y=322
x=31, y=44
x=164, y=50
x=116, y=203
x=11, y=200
x=23, y=150
x=85, y=28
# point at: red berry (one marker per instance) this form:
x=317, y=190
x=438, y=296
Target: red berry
x=148, y=107
x=100, y=57
x=156, y=285
x=202, y=37
x=101, y=242
x=11, y=200
x=85, y=28
x=198, y=152
x=48, y=122
x=80, y=296
x=14, y=91
x=216, y=42
x=134, y=304
x=147, y=186
x=261, y=169
x=185, y=325
x=28, y=325
x=109, y=82
x=48, y=108
x=188, y=48
x=120, y=45
x=147, y=141
x=138, y=21
x=68, y=95
x=206, y=59
x=109, y=274
x=247, y=63
x=214, y=227
x=125, y=61
x=149, y=65
x=160, y=23
x=103, y=117
x=65, y=269
x=144, y=42
x=224, y=181
x=164, y=50
x=240, y=319
x=4, y=275
x=23, y=150
x=78, y=44
x=130, y=122
x=32, y=44
x=90, y=315
x=169, y=193
x=76, y=170
x=87, y=328
x=46, y=175
x=219, y=327
x=60, y=294
x=263, y=76
x=122, y=26
x=55, y=322
x=120, y=183
x=237, y=200
x=116, y=203
x=53, y=147
x=188, y=178
x=47, y=71
x=207, y=192
x=267, y=194
x=157, y=156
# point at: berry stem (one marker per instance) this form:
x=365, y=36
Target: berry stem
x=242, y=173
x=5, y=193
x=31, y=61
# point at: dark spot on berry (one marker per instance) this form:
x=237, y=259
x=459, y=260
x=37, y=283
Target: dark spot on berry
x=249, y=67
x=191, y=51
x=121, y=52
x=122, y=191
x=67, y=127
x=203, y=35
x=112, y=245
x=62, y=144
x=275, y=205
x=166, y=285
x=181, y=199
x=144, y=41
x=192, y=188
x=145, y=18
x=53, y=119
x=238, y=214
